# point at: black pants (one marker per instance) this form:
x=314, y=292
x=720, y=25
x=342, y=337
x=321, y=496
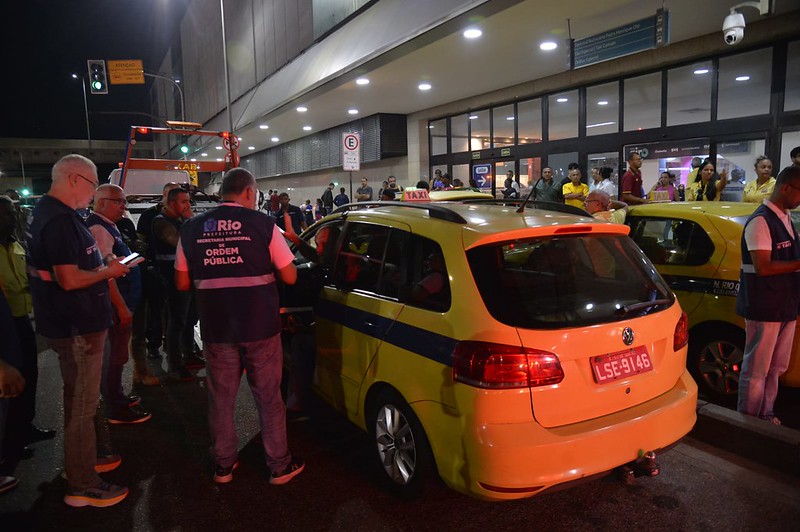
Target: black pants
x=154, y=298
x=22, y=409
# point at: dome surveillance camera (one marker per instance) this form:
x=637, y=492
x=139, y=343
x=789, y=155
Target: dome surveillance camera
x=733, y=28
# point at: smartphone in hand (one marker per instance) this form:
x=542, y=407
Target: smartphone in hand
x=132, y=260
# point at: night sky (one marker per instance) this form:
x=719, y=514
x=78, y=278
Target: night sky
x=45, y=41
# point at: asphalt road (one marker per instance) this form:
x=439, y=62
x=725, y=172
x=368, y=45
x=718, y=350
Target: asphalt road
x=167, y=466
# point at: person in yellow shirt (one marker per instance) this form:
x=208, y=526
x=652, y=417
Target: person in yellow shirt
x=575, y=191
x=14, y=284
x=710, y=184
x=761, y=187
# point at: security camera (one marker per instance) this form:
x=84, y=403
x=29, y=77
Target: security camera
x=733, y=28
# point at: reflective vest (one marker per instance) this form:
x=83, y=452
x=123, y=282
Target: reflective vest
x=771, y=297
x=130, y=286
x=227, y=251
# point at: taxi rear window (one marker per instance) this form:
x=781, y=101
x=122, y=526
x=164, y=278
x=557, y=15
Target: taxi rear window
x=570, y=281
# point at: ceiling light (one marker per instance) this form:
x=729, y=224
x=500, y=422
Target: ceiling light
x=742, y=78
x=306, y=128
x=203, y=155
x=548, y=45
x=473, y=33
x=424, y=86
x=700, y=71
x=218, y=147
x=601, y=124
x=562, y=100
x=473, y=117
x=251, y=147
x=362, y=81
x=275, y=139
x=602, y=102
x=263, y=126
x=302, y=109
x=219, y=160
x=193, y=160
x=352, y=111
x=509, y=118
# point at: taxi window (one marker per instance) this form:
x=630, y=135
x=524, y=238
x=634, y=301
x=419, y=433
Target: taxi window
x=559, y=282
x=672, y=241
x=358, y=264
x=428, y=283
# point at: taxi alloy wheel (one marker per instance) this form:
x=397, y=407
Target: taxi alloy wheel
x=402, y=447
x=715, y=360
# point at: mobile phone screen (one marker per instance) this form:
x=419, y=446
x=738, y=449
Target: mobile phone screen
x=132, y=260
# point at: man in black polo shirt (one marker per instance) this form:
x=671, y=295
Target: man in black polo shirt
x=233, y=253
x=69, y=286
x=295, y=214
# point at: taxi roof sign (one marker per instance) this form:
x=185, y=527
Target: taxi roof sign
x=419, y=194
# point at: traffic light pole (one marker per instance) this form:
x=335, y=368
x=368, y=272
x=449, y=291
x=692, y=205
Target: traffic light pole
x=85, y=109
x=177, y=86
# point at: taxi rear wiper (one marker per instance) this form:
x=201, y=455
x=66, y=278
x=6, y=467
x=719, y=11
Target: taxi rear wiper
x=627, y=309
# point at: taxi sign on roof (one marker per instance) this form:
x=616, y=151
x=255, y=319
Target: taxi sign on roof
x=416, y=195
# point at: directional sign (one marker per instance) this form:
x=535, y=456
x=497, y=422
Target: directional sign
x=351, y=151
x=482, y=174
x=125, y=72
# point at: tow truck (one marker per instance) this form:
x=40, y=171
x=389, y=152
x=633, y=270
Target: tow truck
x=143, y=179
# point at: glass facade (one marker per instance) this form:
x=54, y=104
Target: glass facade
x=744, y=78
x=602, y=109
x=689, y=94
x=503, y=126
x=642, y=97
x=563, y=115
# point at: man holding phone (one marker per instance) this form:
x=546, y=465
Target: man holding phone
x=126, y=292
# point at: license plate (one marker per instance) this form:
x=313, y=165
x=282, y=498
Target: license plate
x=615, y=366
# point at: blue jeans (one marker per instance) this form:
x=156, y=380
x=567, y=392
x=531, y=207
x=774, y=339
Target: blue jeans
x=115, y=357
x=264, y=362
x=767, y=350
x=81, y=360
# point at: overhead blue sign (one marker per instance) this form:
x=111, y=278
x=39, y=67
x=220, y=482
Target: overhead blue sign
x=482, y=174
x=637, y=36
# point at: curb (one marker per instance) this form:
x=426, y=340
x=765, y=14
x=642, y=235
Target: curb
x=752, y=438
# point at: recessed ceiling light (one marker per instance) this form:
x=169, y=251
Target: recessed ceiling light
x=742, y=78
x=263, y=126
x=562, y=100
x=251, y=147
x=219, y=160
x=700, y=71
x=302, y=109
x=275, y=139
x=509, y=118
x=193, y=160
x=362, y=81
x=473, y=117
x=431, y=127
x=306, y=128
x=203, y=155
x=424, y=86
x=218, y=147
x=602, y=102
x=601, y=124
x=548, y=45
x=473, y=33
x=352, y=111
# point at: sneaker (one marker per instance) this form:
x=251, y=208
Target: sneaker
x=134, y=400
x=106, y=494
x=8, y=483
x=104, y=464
x=223, y=475
x=182, y=375
x=194, y=361
x=128, y=415
x=294, y=468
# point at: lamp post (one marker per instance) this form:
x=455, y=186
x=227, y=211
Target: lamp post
x=176, y=84
x=225, y=61
x=85, y=108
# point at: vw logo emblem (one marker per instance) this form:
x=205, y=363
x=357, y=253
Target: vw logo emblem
x=627, y=335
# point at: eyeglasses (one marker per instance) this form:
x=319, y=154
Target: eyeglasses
x=116, y=200
x=91, y=182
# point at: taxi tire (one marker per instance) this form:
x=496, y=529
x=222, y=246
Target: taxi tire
x=716, y=342
x=403, y=453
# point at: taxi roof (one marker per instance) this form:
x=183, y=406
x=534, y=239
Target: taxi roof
x=725, y=209
x=485, y=223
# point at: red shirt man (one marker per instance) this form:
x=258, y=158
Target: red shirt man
x=632, y=190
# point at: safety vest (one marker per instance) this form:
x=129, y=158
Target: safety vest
x=130, y=286
x=771, y=297
x=227, y=251
x=59, y=313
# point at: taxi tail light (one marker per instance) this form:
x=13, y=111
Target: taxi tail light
x=498, y=366
x=681, y=337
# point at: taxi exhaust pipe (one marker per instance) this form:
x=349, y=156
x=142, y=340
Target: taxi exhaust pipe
x=644, y=466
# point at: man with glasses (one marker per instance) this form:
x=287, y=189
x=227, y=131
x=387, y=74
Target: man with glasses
x=126, y=292
x=600, y=205
x=69, y=286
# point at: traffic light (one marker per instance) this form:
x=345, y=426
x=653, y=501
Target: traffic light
x=184, y=146
x=98, y=80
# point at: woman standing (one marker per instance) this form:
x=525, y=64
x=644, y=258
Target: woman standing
x=709, y=184
x=664, y=184
x=761, y=187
